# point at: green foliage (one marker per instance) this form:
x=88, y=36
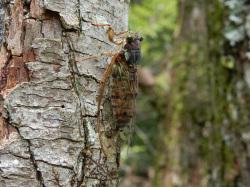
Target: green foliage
x=156, y=21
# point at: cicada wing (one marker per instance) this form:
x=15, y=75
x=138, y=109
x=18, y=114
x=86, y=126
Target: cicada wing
x=123, y=93
x=133, y=80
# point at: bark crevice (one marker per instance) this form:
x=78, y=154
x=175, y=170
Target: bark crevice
x=72, y=67
x=39, y=175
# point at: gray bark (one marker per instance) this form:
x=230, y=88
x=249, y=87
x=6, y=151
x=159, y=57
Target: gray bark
x=48, y=134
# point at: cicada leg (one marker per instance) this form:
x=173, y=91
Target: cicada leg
x=112, y=34
x=105, y=77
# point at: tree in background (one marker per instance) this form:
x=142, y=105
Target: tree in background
x=207, y=126
x=48, y=108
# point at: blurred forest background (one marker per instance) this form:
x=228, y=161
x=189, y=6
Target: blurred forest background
x=193, y=113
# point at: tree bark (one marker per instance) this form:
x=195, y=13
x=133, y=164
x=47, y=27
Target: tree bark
x=48, y=132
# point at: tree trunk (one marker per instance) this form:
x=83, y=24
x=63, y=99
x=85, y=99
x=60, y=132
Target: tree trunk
x=48, y=131
x=207, y=129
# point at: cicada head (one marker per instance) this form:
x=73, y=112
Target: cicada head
x=132, y=49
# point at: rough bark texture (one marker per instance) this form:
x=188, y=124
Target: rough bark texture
x=48, y=108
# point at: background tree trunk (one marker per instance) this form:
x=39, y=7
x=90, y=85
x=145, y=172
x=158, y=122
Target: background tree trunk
x=207, y=128
x=48, y=134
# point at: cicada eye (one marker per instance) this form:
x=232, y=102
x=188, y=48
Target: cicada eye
x=129, y=39
x=141, y=39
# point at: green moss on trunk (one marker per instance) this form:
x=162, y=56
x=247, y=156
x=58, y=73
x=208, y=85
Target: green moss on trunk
x=200, y=128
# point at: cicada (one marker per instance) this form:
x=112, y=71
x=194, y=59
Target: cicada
x=122, y=72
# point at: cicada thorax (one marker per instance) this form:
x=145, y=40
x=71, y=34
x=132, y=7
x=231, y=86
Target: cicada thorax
x=123, y=92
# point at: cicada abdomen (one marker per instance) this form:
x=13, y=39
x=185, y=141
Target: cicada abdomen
x=123, y=93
